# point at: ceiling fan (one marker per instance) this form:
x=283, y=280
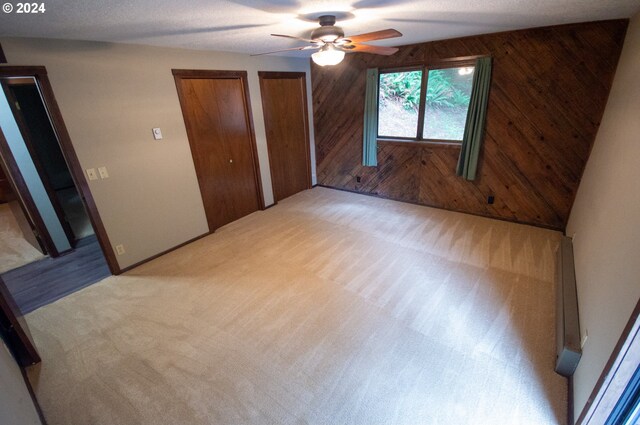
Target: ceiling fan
x=332, y=44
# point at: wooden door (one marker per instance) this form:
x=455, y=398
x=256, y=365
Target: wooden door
x=215, y=106
x=284, y=104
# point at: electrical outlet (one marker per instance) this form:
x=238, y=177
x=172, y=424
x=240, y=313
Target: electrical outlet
x=490, y=199
x=91, y=173
x=583, y=340
x=103, y=172
x=120, y=249
x=358, y=179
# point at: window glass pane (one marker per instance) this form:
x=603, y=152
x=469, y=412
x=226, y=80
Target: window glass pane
x=448, y=93
x=398, y=103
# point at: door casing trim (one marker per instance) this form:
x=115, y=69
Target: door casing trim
x=39, y=73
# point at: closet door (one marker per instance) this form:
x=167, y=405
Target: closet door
x=284, y=104
x=215, y=107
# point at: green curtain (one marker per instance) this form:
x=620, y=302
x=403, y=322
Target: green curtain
x=370, y=131
x=476, y=116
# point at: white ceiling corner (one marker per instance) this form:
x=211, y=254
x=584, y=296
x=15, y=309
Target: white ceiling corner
x=244, y=26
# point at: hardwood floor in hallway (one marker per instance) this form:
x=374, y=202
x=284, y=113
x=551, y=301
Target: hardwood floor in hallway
x=46, y=280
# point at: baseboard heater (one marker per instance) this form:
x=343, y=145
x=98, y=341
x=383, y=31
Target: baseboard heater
x=567, y=322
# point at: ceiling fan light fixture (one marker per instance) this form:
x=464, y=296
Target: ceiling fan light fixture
x=328, y=55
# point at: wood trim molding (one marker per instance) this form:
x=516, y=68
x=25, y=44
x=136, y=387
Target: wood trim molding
x=3, y=58
x=281, y=74
x=19, y=81
x=432, y=64
x=307, y=135
x=208, y=73
x=261, y=77
x=599, y=388
x=254, y=145
x=16, y=335
x=430, y=143
x=34, y=399
x=22, y=71
x=570, y=401
x=40, y=74
x=271, y=206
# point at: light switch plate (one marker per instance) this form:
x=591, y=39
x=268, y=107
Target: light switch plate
x=585, y=336
x=91, y=173
x=103, y=172
x=157, y=133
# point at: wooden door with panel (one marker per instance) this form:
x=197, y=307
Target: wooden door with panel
x=284, y=105
x=215, y=108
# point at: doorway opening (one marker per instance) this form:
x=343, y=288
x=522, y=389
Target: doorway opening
x=51, y=227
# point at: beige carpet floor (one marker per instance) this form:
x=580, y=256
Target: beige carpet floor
x=330, y=308
x=15, y=251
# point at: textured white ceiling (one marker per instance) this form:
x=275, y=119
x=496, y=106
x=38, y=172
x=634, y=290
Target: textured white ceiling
x=244, y=25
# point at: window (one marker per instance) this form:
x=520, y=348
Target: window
x=427, y=103
x=399, y=103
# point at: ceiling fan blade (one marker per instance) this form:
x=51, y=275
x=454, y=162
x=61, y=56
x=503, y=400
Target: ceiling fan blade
x=366, y=48
x=288, y=50
x=294, y=37
x=376, y=35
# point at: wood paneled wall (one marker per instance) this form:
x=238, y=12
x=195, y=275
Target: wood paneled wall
x=548, y=93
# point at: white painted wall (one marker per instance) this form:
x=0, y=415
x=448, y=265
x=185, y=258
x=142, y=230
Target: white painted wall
x=16, y=406
x=111, y=96
x=605, y=223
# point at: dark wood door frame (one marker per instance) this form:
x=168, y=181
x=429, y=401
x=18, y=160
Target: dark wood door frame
x=16, y=336
x=15, y=331
x=77, y=174
x=302, y=76
x=26, y=136
x=180, y=74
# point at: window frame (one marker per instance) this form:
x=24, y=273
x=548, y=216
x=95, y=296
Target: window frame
x=425, y=67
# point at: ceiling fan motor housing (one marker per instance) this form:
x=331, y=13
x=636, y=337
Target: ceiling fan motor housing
x=327, y=32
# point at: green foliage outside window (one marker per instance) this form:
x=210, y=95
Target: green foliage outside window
x=401, y=87
x=447, y=100
x=442, y=91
